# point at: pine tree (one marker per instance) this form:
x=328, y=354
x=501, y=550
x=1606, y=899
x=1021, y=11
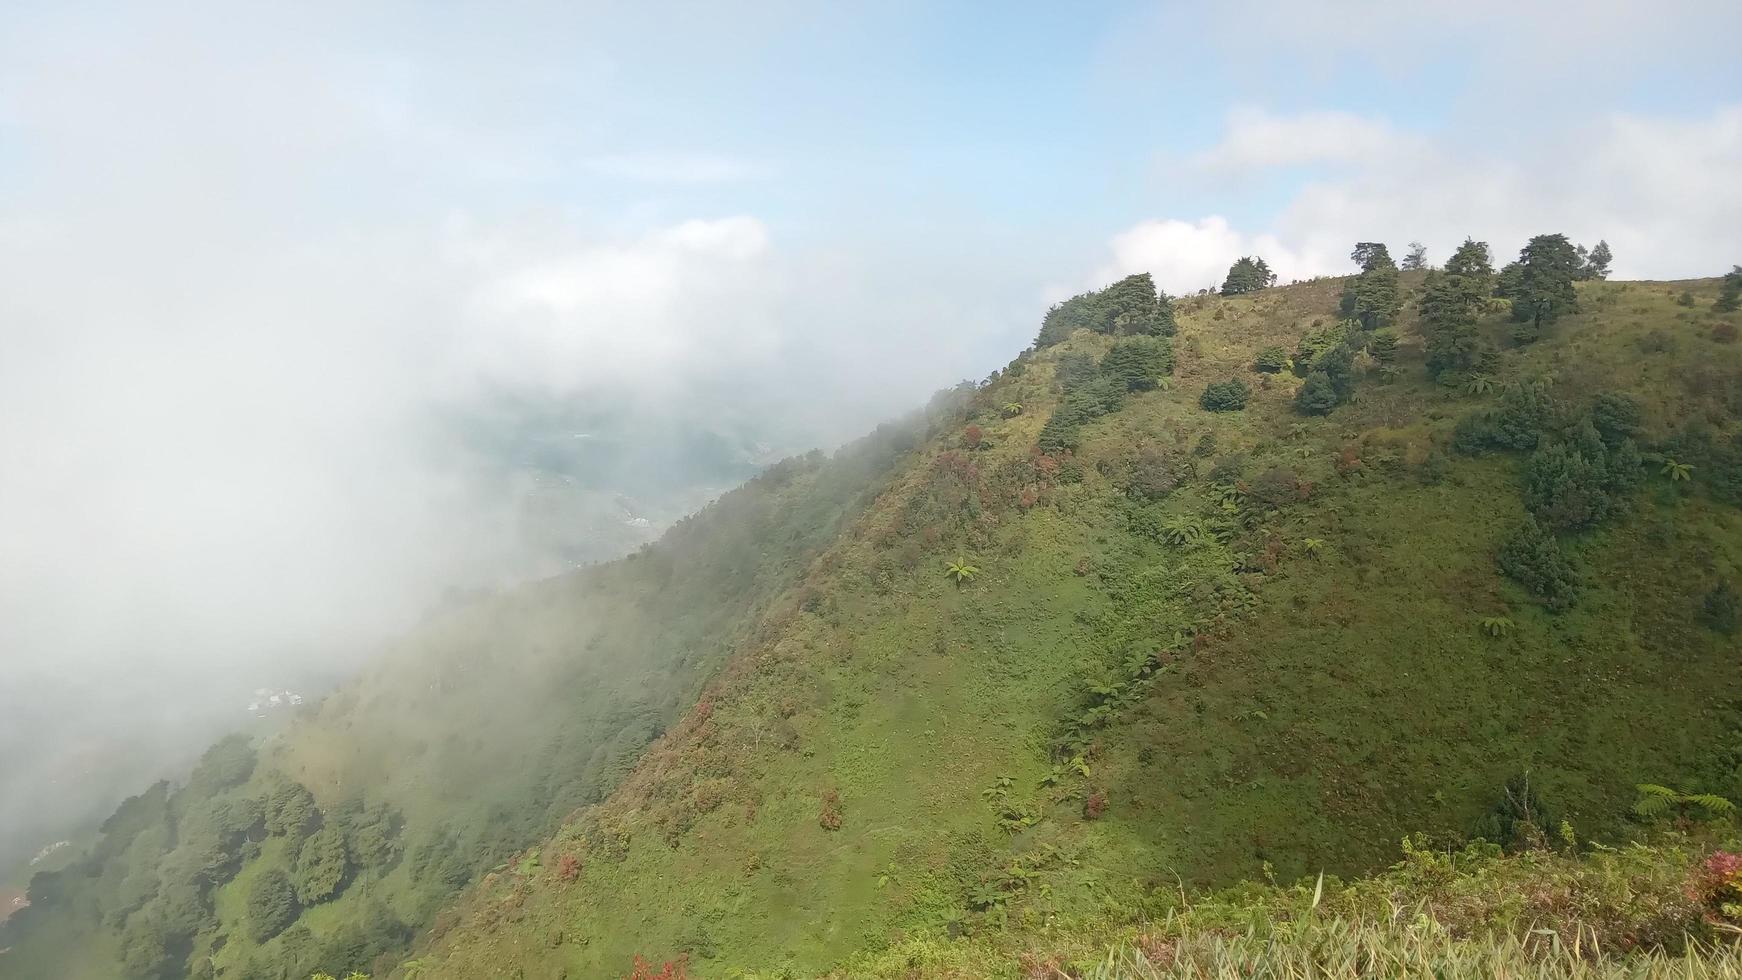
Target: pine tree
x=1450, y=305
x=1540, y=284
x=321, y=866
x=1730, y=295
x=1248, y=274
x=1416, y=258
x=1376, y=296
x=1597, y=263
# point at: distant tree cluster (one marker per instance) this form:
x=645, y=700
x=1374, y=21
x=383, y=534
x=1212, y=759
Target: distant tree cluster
x=1130, y=307
x=1540, y=283
x=1091, y=390
x=1451, y=304
x=1248, y=274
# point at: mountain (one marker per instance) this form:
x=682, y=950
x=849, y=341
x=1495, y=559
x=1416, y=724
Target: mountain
x=1189, y=593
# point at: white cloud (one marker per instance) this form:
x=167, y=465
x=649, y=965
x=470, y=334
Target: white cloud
x=675, y=168
x=1258, y=140
x=1185, y=256
x=1661, y=191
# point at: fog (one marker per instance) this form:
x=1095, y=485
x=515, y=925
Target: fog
x=312, y=313
x=296, y=337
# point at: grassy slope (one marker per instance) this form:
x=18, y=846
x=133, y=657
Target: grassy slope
x=1326, y=707
x=496, y=718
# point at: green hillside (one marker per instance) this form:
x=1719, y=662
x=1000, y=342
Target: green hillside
x=1190, y=593
x=1200, y=646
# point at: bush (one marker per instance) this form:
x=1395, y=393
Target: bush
x=1225, y=396
x=1616, y=417
x=1580, y=482
x=1270, y=360
x=1274, y=488
x=1317, y=397
x=1532, y=557
x=1138, y=363
x=1154, y=474
x=1721, y=610
x=1524, y=415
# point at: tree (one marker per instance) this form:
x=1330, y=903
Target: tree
x=321, y=865
x=1248, y=274
x=1532, y=557
x=1597, y=262
x=1138, y=362
x=1730, y=294
x=288, y=809
x=1270, y=360
x=1130, y=306
x=1376, y=297
x=1225, y=396
x=229, y=762
x=271, y=905
x=1415, y=259
x=1317, y=397
x=1451, y=303
x=1540, y=283
x=1579, y=482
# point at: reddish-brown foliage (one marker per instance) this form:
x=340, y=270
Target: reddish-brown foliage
x=1348, y=463
x=973, y=437
x=677, y=969
x=1724, y=333
x=569, y=868
x=830, y=817
x=1095, y=805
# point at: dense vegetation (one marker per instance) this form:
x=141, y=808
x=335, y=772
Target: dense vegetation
x=1196, y=590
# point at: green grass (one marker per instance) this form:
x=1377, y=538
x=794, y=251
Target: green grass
x=689, y=723
x=1329, y=705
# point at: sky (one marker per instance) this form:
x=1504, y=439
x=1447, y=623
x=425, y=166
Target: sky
x=255, y=257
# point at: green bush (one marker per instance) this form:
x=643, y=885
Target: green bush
x=1532, y=557
x=1722, y=609
x=1580, y=482
x=1138, y=363
x=1270, y=360
x=1225, y=396
x=1317, y=397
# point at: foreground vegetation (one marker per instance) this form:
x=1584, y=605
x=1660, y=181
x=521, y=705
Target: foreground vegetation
x=1195, y=591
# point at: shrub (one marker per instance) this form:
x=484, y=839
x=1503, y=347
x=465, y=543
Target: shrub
x=1580, y=482
x=1721, y=610
x=1138, y=363
x=1532, y=557
x=1095, y=805
x=1616, y=416
x=1225, y=396
x=1228, y=469
x=973, y=437
x=1154, y=474
x=1270, y=360
x=1317, y=397
x=1724, y=333
x=1274, y=488
x=829, y=818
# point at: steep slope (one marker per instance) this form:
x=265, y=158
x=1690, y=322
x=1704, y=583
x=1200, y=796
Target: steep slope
x=1200, y=646
x=468, y=741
